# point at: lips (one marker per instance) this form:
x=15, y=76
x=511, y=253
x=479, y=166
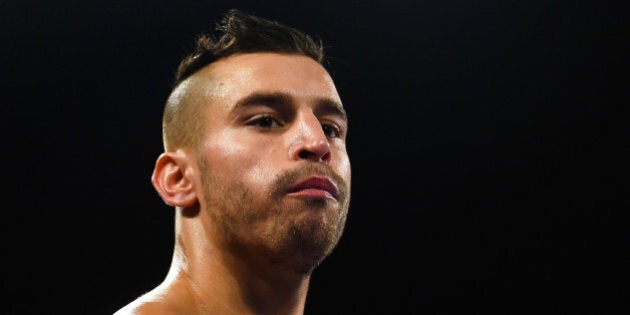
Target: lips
x=316, y=186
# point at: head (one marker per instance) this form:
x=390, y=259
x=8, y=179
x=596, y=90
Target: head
x=255, y=143
x=240, y=34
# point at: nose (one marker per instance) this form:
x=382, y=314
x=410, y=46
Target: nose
x=311, y=143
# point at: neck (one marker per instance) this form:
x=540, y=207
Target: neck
x=217, y=281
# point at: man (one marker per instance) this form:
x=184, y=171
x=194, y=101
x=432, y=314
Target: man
x=256, y=166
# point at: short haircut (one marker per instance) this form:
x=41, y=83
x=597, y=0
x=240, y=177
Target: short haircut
x=246, y=33
x=241, y=33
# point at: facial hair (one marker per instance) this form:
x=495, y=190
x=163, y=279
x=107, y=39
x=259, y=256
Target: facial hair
x=271, y=226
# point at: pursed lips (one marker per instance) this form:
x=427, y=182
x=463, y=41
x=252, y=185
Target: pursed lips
x=316, y=186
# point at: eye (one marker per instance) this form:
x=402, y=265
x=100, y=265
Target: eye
x=264, y=121
x=331, y=130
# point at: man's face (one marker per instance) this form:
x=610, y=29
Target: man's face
x=274, y=169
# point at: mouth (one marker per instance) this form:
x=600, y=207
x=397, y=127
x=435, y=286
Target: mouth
x=320, y=187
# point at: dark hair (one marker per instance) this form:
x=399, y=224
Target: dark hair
x=246, y=33
x=241, y=33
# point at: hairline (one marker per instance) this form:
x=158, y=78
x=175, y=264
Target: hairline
x=192, y=110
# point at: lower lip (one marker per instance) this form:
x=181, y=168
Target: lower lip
x=312, y=193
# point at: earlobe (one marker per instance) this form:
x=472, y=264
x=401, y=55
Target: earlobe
x=172, y=178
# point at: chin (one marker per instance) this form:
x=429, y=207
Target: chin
x=312, y=240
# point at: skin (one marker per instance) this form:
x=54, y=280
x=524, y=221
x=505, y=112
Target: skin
x=247, y=237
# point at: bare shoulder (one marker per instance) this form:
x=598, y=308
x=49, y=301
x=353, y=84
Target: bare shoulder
x=156, y=302
x=144, y=307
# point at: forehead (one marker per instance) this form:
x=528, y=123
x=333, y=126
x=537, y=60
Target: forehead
x=237, y=76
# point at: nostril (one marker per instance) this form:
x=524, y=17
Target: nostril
x=326, y=157
x=307, y=155
x=315, y=151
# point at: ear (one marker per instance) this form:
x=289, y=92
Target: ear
x=172, y=178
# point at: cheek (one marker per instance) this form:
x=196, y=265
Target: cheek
x=263, y=165
x=237, y=160
x=344, y=169
x=341, y=163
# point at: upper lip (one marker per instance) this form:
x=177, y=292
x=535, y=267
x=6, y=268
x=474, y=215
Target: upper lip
x=316, y=182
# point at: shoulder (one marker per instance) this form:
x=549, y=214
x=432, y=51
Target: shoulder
x=139, y=307
x=156, y=302
x=147, y=307
x=152, y=302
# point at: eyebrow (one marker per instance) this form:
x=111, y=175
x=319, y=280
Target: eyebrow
x=274, y=99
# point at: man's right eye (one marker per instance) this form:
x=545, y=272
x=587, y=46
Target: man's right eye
x=264, y=122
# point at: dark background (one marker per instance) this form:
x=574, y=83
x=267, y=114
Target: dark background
x=487, y=142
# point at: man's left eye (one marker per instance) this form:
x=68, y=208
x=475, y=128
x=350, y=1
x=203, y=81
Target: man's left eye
x=331, y=130
x=265, y=122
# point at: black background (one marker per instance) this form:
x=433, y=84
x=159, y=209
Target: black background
x=487, y=140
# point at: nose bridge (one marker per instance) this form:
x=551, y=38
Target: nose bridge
x=310, y=141
x=309, y=126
